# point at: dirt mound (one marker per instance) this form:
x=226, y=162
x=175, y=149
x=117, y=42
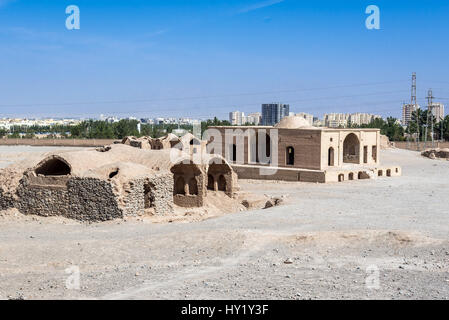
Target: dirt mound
x=363, y=237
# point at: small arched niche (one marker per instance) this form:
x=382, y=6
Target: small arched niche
x=53, y=167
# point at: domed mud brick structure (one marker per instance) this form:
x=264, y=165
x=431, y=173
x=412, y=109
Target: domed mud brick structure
x=113, y=182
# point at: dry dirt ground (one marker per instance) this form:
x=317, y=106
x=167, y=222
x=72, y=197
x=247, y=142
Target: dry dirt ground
x=372, y=239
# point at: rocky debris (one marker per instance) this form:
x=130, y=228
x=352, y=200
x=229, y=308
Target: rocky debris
x=103, y=149
x=141, y=143
x=261, y=202
x=268, y=204
x=278, y=201
x=436, y=153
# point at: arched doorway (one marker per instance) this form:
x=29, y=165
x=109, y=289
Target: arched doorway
x=180, y=186
x=219, y=176
x=351, y=176
x=221, y=183
x=351, y=149
x=341, y=177
x=210, y=182
x=290, y=156
x=330, y=157
x=193, y=187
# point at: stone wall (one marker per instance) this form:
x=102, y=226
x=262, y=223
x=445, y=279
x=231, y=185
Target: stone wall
x=6, y=200
x=92, y=199
x=86, y=199
x=154, y=192
x=133, y=200
x=161, y=193
x=282, y=174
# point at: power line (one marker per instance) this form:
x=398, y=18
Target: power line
x=197, y=97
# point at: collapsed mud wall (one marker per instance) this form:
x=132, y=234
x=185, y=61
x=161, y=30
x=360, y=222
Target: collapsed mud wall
x=161, y=193
x=153, y=192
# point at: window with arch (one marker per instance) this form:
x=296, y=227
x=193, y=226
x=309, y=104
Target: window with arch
x=290, y=156
x=330, y=157
x=53, y=167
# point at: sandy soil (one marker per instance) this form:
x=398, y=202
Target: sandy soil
x=372, y=239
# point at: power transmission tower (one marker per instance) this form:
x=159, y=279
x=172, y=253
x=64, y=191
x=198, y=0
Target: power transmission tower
x=430, y=98
x=404, y=113
x=414, y=106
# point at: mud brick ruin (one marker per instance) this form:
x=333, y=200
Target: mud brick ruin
x=114, y=182
x=146, y=175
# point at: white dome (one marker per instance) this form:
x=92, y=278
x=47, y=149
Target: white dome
x=293, y=122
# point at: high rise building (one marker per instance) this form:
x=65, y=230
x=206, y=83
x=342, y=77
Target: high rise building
x=236, y=118
x=361, y=118
x=254, y=118
x=407, y=110
x=336, y=120
x=343, y=120
x=272, y=113
x=438, y=111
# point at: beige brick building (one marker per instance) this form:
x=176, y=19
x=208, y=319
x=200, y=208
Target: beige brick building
x=294, y=150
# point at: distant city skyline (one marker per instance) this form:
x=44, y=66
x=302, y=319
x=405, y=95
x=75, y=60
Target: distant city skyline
x=201, y=59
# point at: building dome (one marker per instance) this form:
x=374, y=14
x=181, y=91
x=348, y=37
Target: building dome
x=293, y=122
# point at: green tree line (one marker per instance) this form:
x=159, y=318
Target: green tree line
x=97, y=129
x=389, y=127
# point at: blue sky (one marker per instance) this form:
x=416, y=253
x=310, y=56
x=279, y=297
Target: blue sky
x=205, y=58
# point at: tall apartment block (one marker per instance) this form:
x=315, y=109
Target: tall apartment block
x=438, y=111
x=407, y=110
x=343, y=120
x=236, y=118
x=254, y=118
x=272, y=113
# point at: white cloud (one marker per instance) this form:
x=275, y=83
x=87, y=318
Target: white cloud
x=260, y=5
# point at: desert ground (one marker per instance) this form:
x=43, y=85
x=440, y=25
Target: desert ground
x=386, y=238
